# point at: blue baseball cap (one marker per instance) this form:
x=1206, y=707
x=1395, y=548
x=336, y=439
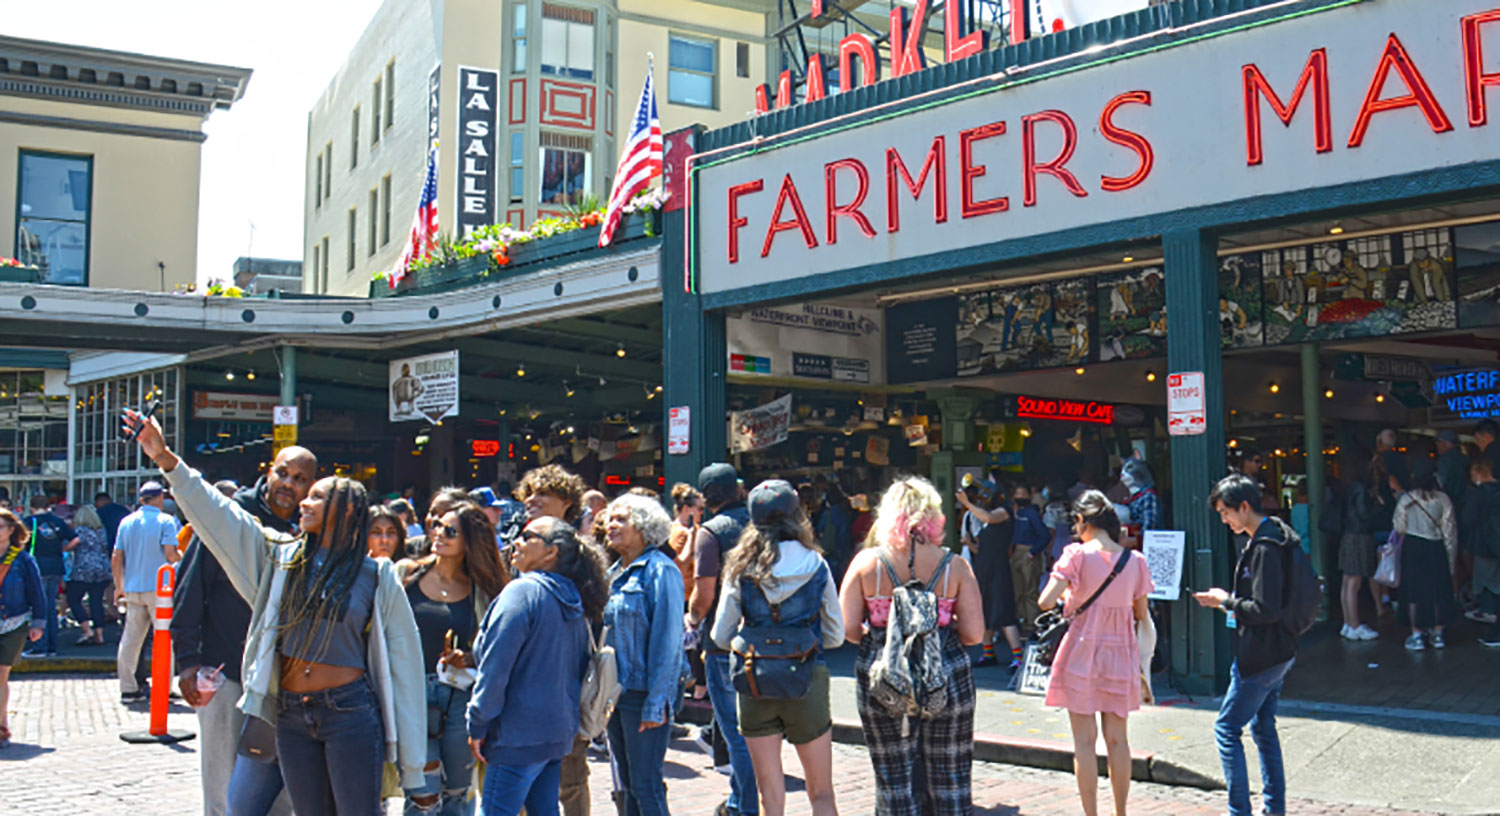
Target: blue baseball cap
x=485, y=497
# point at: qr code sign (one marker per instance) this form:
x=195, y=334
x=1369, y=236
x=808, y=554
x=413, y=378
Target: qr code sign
x=1164, y=551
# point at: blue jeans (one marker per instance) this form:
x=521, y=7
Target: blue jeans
x=639, y=756
x=743, y=795
x=50, y=584
x=1252, y=700
x=331, y=744
x=253, y=787
x=508, y=787
x=450, y=749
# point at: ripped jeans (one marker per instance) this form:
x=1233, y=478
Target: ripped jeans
x=450, y=766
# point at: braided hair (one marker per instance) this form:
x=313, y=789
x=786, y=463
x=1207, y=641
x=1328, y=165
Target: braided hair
x=318, y=593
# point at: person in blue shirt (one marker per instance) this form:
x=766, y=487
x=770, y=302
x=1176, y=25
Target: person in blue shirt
x=146, y=540
x=21, y=605
x=644, y=625
x=50, y=538
x=111, y=513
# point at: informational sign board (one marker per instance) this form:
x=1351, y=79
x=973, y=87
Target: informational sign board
x=1164, y=551
x=424, y=387
x=679, y=430
x=816, y=341
x=920, y=341
x=284, y=415
x=760, y=427
x=478, y=99
x=230, y=407
x=1186, y=415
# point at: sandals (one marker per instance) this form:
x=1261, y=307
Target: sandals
x=4, y=737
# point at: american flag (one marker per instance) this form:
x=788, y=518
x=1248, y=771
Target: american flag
x=640, y=163
x=424, y=228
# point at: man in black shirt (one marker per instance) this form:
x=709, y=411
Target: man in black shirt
x=50, y=538
x=111, y=513
x=209, y=623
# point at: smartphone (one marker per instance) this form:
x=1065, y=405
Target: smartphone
x=151, y=408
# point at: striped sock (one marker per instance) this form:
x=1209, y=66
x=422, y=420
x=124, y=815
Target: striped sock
x=989, y=651
x=1015, y=653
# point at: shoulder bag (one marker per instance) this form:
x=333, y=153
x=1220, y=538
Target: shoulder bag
x=1051, y=625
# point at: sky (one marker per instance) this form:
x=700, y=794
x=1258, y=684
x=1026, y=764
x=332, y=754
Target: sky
x=254, y=158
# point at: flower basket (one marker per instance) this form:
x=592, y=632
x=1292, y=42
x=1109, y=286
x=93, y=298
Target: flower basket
x=435, y=278
x=17, y=274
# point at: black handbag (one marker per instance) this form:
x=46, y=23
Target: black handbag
x=258, y=740
x=1051, y=625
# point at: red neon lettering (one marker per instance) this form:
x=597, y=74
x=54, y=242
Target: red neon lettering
x=483, y=448
x=907, y=56
x=1418, y=95
x=1475, y=80
x=783, y=94
x=1018, y=22
x=1066, y=410
x=1126, y=138
x=1056, y=167
x=959, y=47
x=815, y=89
x=789, y=194
x=936, y=162
x=857, y=45
x=1314, y=75
x=850, y=210
x=735, y=219
x=968, y=171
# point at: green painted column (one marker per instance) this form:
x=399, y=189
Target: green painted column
x=1200, y=645
x=288, y=375
x=1312, y=433
x=959, y=449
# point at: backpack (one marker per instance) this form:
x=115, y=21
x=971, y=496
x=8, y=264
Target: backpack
x=601, y=688
x=774, y=660
x=1304, y=592
x=907, y=678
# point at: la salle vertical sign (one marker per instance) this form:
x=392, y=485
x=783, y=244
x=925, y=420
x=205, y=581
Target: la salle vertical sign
x=478, y=98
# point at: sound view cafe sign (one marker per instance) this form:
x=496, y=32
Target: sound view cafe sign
x=1346, y=94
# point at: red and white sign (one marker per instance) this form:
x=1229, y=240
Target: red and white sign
x=1186, y=415
x=284, y=415
x=679, y=430
x=1065, y=410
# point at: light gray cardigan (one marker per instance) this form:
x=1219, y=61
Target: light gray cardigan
x=255, y=560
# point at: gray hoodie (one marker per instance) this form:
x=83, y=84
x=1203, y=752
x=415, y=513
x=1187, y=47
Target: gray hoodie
x=794, y=567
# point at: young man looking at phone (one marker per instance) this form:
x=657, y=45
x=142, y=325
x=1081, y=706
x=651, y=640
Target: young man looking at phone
x=1264, y=648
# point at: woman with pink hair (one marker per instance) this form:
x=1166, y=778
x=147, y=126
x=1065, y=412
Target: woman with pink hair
x=906, y=587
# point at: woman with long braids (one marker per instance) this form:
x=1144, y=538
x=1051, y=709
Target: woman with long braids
x=905, y=547
x=332, y=659
x=449, y=592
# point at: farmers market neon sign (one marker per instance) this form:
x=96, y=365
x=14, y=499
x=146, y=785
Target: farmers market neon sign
x=1065, y=410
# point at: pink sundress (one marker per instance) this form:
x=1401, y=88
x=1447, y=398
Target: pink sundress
x=1098, y=665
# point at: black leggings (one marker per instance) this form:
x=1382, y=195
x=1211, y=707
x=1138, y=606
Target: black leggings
x=95, y=591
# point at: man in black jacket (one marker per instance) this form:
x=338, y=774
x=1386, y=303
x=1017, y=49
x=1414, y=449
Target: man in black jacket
x=1264, y=648
x=209, y=624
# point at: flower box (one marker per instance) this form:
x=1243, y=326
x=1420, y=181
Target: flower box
x=17, y=274
x=434, y=278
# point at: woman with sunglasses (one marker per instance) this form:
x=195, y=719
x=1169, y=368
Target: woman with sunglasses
x=332, y=658
x=449, y=591
x=532, y=651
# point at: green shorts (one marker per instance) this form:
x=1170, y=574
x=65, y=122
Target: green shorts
x=801, y=721
x=11, y=643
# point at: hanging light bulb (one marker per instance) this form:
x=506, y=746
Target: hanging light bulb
x=520, y=369
x=620, y=350
x=567, y=389
x=229, y=375
x=1150, y=376
x=1275, y=389
x=1328, y=394
x=249, y=375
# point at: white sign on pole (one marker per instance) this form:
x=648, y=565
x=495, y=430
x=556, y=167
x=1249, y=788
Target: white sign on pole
x=679, y=430
x=1186, y=415
x=1164, y=551
x=424, y=387
x=284, y=415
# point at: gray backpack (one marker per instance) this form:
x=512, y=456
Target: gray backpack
x=907, y=678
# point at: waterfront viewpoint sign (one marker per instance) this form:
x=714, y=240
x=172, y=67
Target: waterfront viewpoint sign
x=1351, y=93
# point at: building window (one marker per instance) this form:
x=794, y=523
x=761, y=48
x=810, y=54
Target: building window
x=326, y=254
x=691, y=78
x=318, y=182
x=517, y=167
x=385, y=210
x=566, y=162
x=315, y=267
x=374, y=215
x=375, y=103
x=354, y=139
x=518, y=39
x=353, y=228
x=390, y=93
x=567, y=41
x=742, y=60
x=328, y=171
x=54, y=200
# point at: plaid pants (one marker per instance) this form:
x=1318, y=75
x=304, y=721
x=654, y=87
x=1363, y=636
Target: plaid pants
x=944, y=745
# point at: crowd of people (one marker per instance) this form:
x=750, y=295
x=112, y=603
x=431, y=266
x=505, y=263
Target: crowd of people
x=340, y=650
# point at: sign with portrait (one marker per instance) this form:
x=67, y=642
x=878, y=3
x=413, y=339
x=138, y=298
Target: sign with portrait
x=424, y=387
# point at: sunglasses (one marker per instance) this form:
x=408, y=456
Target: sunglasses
x=445, y=530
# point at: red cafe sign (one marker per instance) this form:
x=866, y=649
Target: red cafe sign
x=1065, y=410
x=1337, y=97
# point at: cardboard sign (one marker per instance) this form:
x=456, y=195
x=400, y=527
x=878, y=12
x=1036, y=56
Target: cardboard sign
x=760, y=427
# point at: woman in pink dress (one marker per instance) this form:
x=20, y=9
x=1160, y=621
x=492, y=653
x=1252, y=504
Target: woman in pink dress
x=1097, y=670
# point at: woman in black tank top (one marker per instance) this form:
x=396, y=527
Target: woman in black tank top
x=449, y=591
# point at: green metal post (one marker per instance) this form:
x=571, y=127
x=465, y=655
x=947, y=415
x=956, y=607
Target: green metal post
x=288, y=375
x=1312, y=432
x=1199, y=639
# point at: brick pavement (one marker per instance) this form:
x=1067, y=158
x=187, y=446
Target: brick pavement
x=67, y=758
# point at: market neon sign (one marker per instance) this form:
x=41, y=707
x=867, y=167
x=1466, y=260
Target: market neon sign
x=1065, y=410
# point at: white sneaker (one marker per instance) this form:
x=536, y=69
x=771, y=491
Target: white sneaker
x=1347, y=632
x=1414, y=643
x=1364, y=632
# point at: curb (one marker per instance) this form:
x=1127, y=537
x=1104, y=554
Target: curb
x=64, y=665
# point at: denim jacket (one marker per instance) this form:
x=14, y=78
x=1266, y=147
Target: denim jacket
x=22, y=591
x=643, y=621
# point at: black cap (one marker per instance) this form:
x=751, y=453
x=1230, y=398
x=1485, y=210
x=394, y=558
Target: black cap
x=773, y=497
x=719, y=483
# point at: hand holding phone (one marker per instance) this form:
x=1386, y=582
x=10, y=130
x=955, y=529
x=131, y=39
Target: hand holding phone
x=1211, y=598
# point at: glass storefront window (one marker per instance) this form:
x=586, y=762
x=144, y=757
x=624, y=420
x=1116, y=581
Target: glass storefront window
x=101, y=459
x=52, y=222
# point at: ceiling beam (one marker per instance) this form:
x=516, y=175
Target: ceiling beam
x=599, y=330
x=563, y=360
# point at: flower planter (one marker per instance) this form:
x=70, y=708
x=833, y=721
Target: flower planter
x=435, y=278
x=17, y=274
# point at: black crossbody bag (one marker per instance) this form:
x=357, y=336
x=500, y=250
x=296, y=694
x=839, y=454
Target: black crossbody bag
x=1051, y=625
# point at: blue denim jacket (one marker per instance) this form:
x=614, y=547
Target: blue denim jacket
x=22, y=590
x=643, y=621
